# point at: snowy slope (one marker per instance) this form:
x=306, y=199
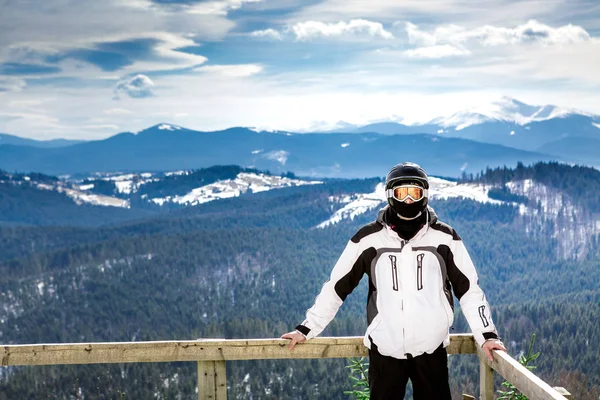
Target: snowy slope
x=80, y=196
x=243, y=183
x=573, y=228
x=361, y=203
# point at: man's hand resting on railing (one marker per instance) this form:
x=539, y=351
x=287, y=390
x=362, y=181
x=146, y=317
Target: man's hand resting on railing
x=490, y=345
x=296, y=336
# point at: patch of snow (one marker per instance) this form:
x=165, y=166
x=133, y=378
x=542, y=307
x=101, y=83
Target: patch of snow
x=94, y=199
x=229, y=188
x=26, y=178
x=596, y=125
x=358, y=204
x=168, y=127
x=86, y=187
x=257, y=151
x=176, y=173
x=161, y=201
x=440, y=131
x=512, y=132
x=279, y=155
x=129, y=183
x=345, y=145
x=443, y=189
x=124, y=186
x=40, y=288
x=44, y=186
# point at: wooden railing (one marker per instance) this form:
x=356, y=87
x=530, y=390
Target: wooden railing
x=212, y=354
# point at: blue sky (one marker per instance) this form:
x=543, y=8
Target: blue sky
x=87, y=69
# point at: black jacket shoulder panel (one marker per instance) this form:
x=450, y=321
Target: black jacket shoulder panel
x=447, y=229
x=366, y=230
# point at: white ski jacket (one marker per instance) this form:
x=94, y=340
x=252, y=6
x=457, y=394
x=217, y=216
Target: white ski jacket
x=410, y=306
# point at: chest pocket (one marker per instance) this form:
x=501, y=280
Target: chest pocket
x=429, y=261
x=420, y=257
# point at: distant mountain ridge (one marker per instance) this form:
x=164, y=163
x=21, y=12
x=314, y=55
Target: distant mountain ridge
x=502, y=133
x=344, y=155
x=509, y=122
x=19, y=141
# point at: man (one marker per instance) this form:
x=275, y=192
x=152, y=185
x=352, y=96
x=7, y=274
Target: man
x=413, y=262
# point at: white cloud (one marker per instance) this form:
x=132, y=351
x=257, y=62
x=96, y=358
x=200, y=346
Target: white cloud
x=9, y=84
x=530, y=32
x=436, y=51
x=334, y=9
x=137, y=87
x=233, y=71
x=269, y=33
x=163, y=55
x=215, y=7
x=467, y=12
x=64, y=22
x=101, y=127
x=313, y=29
x=117, y=111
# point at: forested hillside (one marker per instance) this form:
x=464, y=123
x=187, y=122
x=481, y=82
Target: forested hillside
x=249, y=267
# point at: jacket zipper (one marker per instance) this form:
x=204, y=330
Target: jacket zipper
x=402, y=244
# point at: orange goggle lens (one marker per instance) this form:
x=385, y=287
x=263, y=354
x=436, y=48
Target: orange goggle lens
x=401, y=193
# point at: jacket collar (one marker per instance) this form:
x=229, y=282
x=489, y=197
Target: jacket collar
x=431, y=219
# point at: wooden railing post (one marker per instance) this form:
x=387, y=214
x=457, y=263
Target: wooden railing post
x=486, y=381
x=212, y=380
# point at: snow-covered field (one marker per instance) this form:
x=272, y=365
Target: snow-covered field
x=244, y=182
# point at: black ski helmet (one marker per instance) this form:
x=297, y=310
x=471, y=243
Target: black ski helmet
x=407, y=172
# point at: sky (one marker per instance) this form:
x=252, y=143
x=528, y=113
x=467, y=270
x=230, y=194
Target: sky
x=88, y=69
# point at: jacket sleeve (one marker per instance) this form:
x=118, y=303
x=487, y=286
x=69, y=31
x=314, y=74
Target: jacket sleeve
x=465, y=283
x=345, y=276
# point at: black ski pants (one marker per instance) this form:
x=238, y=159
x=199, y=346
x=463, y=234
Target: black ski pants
x=428, y=373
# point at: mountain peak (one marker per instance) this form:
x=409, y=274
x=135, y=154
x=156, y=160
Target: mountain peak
x=506, y=109
x=163, y=126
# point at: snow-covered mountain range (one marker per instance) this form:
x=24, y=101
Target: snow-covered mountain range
x=506, y=109
x=502, y=133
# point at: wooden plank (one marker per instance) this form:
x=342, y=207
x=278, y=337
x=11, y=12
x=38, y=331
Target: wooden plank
x=197, y=350
x=206, y=380
x=220, y=380
x=212, y=380
x=564, y=392
x=523, y=379
x=486, y=381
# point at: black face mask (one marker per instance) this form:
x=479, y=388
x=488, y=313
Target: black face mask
x=406, y=229
x=408, y=211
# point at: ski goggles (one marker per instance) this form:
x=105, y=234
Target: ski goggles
x=404, y=192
